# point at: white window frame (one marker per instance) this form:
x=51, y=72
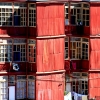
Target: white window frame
x=66, y=14
x=31, y=87
x=21, y=88
x=4, y=44
x=76, y=51
x=23, y=9
x=75, y=13
x=23, y=52
x=6, y=14
x=85, y=50
x=80, y=78
x=7, y=49
x=3, y=88
x=32, y=18
x=79, y=57
x=85, y=20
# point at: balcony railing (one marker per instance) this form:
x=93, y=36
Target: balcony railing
x=77, y=30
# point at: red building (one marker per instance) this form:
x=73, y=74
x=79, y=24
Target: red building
x=31, y=50
x=32, y=38
x=82, y=48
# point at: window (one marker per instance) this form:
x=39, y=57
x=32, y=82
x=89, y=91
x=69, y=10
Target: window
x=79, y=48
x=11, y=80
x=66, y=48
x=19, y=50
x=20, y=14
x=79, y=12
x=75, y=13
x=85, y=48
x=5, y=50
x=66, y=14
x=5, y=14
x=32, y=50
x=32, y=15
x=75, y=48
x=3, y=88
x=31, y=87
x=86, y=14
x=80, y=83
x=21, y=87
x=15, y=47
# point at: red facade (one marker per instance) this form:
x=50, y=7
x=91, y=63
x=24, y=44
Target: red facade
x=50, y=86
x=49, y=68
x=49, y=37
x=50, y=51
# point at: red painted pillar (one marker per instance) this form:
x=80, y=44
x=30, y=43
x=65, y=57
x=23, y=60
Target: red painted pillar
x=50, y=51
x=94, y=68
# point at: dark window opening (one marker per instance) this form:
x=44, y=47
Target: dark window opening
x=17, y=18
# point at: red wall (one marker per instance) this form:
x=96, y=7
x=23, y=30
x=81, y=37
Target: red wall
x=50, y=54
x=94, y=18
x=50, y=87
x=50, y=51
x=94, y=76
x=50, y=22
x=95, y=54
x=50, y=19
x=94, y=85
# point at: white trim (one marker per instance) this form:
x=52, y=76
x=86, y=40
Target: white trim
x=59, y=71
x=41, y=37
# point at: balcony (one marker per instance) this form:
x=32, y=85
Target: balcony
x=75, y=30
x=76, y=65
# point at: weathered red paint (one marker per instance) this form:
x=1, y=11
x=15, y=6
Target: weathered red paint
x=50, y=52
x=50, y=86
x=94, y=18
x=95, y=53
x=48, y=18
x=94, y=87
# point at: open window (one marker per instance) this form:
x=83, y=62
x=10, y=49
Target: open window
x=31, y=50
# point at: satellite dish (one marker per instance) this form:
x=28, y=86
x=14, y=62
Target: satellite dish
x=15, y=67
